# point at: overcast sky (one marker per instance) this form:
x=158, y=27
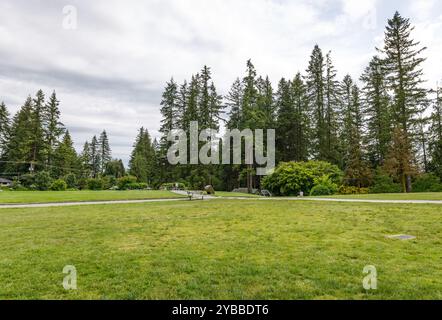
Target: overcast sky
x=110, y=68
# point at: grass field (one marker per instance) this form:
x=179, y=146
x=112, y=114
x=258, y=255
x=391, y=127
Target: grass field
x=221, y=249
x=85, y=195
x=393, y=196
x=235, y=194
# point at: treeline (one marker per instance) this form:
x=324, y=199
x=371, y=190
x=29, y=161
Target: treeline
x=384, y=124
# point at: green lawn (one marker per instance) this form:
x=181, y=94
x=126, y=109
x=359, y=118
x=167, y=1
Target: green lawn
x=221, y=249
x=235, y=194
x=393, y=196
x=86, y=195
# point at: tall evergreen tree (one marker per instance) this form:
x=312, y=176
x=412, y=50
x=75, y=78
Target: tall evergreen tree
x=5, y=124
x=65, y=158
x=104, y=150
x=95, y=160
x=38, y=142
x=20, y=147
x=168, y=110
x=86, y=160
x=376, y=109
x=315, y=92
x=142, y=161
x=435, y=164
x=234, y=104
x=403, y=66
x=331, y=105
x=357, y=171
x=53, y=127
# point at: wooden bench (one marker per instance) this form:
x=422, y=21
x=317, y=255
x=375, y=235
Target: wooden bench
x=195, y=194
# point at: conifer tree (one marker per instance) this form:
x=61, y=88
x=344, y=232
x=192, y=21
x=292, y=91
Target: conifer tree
x=234, y=104
x=143, y=159
x=435, y=151
x=95, y=160
x=331, y=104
x=169, y=104
x=315, y=93
x=404, y=77
x=376, y=109
x=52, y=126
x=5, y=124
x=65, y=158
x=104, y=150
x=38, y=142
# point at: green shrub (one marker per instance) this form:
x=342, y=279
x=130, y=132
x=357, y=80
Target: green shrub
x=94, y=184
x=108, y=182
x=123, y=183
x=17, y=186
x=59, y=185
x=327, y=182
x=71, y=180
x=172, y=185
x=321, y=190
x=27, y=180
x=42, y=180
x=427, y=183
x=137, y=186
x=384, y=184
x=352, y=190
x=289, y=178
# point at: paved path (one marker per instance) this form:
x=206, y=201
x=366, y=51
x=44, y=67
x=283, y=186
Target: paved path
x=81, y=203
x=63, y=204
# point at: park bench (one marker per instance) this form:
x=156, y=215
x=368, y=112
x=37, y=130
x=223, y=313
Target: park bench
x=195, y=195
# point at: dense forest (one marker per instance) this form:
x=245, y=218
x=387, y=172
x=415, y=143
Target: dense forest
x=383, y=125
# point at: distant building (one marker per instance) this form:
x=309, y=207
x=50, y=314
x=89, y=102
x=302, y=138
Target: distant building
x=5, y=182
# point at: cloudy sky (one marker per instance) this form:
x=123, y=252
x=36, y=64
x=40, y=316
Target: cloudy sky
x=109, y=65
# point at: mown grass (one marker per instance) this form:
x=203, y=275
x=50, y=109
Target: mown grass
x=235, y=194
x=221, y=249
x=393, y=196
x=84, y=195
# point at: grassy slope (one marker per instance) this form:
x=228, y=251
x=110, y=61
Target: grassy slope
x=221, y=249
x=394, y=196
x=69, y=196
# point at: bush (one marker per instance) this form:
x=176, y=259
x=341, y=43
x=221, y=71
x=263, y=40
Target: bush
x=71, y=180
x=321, y=190
x=108, y=182
x=173, y=185
x=17, y=186
x=123, y=183
x=94, y=184
x=289, y=178
x=384, y=184
x=137, y=186
x=352, y=190
x=42, y=180
x=59, y=185
x=427, y=183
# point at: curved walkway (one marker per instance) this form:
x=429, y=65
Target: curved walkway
x=64, y=204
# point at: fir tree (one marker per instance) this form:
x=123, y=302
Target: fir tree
x=315, y=94
x=53, y=127
x=234, y=104
x=65, y=158
x=404, y=77
x=376, y=109
x=331, y=103
x=95, y=160
x=5, y=124
x=104, y=150
x=435, y=137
